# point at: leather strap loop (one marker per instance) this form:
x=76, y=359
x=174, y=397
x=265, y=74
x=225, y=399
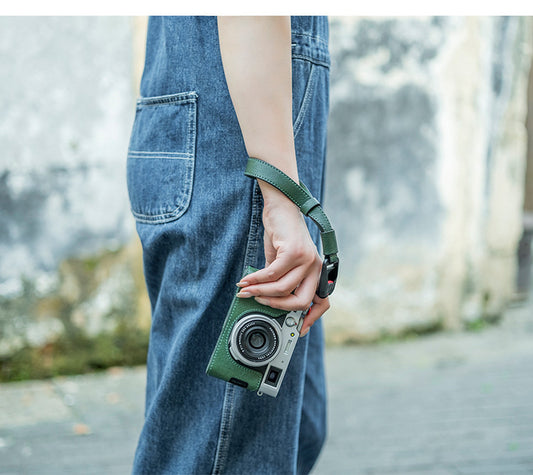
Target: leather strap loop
x=329, y=241
x=256, y=168
x=309, y=205
x=299, y=195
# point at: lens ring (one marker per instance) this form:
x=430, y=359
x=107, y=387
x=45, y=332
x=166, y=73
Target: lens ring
x=255, y=340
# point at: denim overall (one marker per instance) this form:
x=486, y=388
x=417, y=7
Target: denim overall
x=199, y=219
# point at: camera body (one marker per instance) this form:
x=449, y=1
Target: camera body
x=255, y=345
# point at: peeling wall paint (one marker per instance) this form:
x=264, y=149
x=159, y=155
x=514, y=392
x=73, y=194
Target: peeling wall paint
x=426, y=129
x=426, y=153
x=67, y=105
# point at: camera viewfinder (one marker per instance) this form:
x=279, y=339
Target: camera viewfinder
x=273, y=376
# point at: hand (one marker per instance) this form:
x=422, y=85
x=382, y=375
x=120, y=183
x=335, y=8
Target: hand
x=293, y=265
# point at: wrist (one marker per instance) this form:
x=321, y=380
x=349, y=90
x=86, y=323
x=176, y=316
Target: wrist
x=272, y=197
x=281, y=157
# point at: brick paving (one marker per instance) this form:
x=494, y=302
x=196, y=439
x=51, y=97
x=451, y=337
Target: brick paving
x=448, y=403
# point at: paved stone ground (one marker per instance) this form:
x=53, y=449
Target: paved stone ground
x=443, y=404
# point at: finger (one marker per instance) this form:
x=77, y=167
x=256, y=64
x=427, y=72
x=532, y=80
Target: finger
x=279, y=288
x=281, y=265
x=299, y=300
x=284, y=263
x=319, y=307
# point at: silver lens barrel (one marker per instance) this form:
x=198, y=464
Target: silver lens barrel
x=255, y=340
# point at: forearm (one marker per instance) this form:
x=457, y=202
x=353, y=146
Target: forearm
x=256, y=55
x=257, y=59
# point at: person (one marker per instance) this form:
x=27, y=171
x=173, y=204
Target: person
x=215, y=91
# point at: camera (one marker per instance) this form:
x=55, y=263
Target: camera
x=255, y=346
x=256, y=343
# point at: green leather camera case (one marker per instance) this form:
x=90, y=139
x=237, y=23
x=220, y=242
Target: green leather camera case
x=222, y=365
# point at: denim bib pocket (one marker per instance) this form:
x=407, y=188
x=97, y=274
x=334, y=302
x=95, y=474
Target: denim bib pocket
x=161, y=155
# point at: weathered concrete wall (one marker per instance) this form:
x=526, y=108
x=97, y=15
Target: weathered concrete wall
x=524, y=272
x=67, y=106
x=427, y=151
x=425, y=176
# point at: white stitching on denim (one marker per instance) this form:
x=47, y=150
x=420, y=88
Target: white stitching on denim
x=143, y=152
x=191, y=129
x=227, y=407
x=192, y=123
x=305, y=101
x=252, y=244
x=166, y=155
x=313, y=37
x=221, y=454
x=178, y=98
x=310, y=59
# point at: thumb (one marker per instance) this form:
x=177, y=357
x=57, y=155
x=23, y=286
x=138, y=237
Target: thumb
x=319, y=307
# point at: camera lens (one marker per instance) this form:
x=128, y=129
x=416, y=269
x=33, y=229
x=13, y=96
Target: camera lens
x=255, y=340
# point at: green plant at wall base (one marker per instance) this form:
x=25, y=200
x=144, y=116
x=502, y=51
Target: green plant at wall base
x=388, y=337
x=125, y=346
x=476, y=325
x=121, y=338
x=413, y=332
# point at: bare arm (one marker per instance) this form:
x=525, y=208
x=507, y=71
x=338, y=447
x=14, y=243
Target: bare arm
x=256, y=55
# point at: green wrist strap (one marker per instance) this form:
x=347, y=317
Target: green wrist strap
x=309, y=206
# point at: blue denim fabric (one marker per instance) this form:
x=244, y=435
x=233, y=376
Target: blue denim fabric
x=199, y=220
